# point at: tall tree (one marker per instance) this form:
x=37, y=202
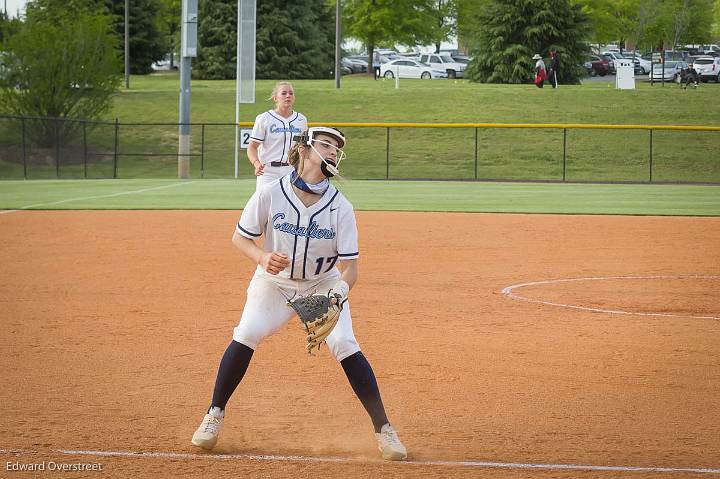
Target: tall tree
x=605, y=25
x=147, y=44
x=169, y=25
x=217, y=27
x=8, y=27
x=468, y=26
x=680, y=22
x=297, y=39
x=65, y=63
x=294, y=40
x=445, y=21
x=511, y=31
x=389, y=22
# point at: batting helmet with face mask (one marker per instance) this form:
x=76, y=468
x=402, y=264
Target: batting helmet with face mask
x=309, y=137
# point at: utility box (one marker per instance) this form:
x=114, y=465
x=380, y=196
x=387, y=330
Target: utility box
x=625, y=76
x=189, y=28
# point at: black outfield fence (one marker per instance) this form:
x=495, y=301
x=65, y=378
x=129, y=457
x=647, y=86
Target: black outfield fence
x=44, y=148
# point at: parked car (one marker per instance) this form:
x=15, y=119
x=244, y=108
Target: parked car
x=360, y=60
x=364, y=58
x=597, y=66
x=343, y=70
x=609, y=60
x=711, y=50
x=390, y=54
x=464, y=59
x=613, y=58
x=642, y=65
x=677, y=55
x=708, y=68
x=671, y=71
x=443, y=61
x=164, y=64
x=355, y=66
x=407, y=68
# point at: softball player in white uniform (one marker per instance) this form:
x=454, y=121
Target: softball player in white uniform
x=310, y=246
x=272, y=136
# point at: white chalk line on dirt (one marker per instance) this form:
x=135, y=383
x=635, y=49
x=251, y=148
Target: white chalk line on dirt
x=320, y=459
x=508, y=291
x=110, y=195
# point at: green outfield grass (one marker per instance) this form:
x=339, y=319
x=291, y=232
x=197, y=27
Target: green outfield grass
x=372, y=195
x=606, y=155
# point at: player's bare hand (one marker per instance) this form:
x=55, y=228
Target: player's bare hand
x=273, y=262
x=259, y=169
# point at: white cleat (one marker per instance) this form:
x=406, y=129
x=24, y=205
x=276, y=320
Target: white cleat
x=207, y=434
x=389, y=444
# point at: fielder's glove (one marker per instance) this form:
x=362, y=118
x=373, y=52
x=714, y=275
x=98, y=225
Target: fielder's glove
x=318, y=315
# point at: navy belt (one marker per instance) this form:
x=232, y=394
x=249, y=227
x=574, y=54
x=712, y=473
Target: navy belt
x=278, y=163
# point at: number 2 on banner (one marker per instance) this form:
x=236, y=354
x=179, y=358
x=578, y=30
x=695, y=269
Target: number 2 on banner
x=245, y=138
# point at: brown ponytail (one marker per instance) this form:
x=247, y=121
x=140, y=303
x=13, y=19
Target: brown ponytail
x=295, y=157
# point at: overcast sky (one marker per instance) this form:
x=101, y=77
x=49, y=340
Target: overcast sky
x=13, y=6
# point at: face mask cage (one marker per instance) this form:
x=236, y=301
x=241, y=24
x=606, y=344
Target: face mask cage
x=328, y=165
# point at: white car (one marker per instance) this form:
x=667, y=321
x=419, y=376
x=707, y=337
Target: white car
x=443, y=61
x=406, y=68
x=708, y=68
x=164, y=64
x=671, y=72
x=642, y=66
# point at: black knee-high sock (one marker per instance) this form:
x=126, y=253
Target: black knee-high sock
x=233, y=365
x=362, y=379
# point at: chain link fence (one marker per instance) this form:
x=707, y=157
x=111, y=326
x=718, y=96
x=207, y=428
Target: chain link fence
x=45, y=148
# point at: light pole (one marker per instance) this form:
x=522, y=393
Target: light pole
x=338, y=38
x=127, y=44
x=189, y=50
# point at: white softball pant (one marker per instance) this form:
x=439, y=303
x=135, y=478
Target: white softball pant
x=272, y=173
x=266, y=311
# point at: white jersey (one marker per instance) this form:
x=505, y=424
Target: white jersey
x=275, y=134
x=313, y=238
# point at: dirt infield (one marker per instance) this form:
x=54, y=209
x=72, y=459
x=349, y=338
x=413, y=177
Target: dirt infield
x=114, y=323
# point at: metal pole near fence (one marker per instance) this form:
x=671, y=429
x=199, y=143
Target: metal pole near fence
x=115, y=151
x=387, y=154
x=57, y=148
x=84, y=149
x=476, y=153
x=651, y=148
x=24, y=149
x=202, y=151
x=564, y=152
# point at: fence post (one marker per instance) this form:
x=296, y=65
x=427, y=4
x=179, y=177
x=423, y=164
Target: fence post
x=24, y=149
x=387, y=153
x=84, y=124
x=57, y=148
x=651, y=148
x=202, y=152
x=564, y=152
x=476, y=151
x=115, y=151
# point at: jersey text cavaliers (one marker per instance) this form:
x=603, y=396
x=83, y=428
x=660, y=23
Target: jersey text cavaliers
x=312, y=231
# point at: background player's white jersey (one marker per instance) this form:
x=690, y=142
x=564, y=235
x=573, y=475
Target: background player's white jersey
x=275, y=135
x=313, y=238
